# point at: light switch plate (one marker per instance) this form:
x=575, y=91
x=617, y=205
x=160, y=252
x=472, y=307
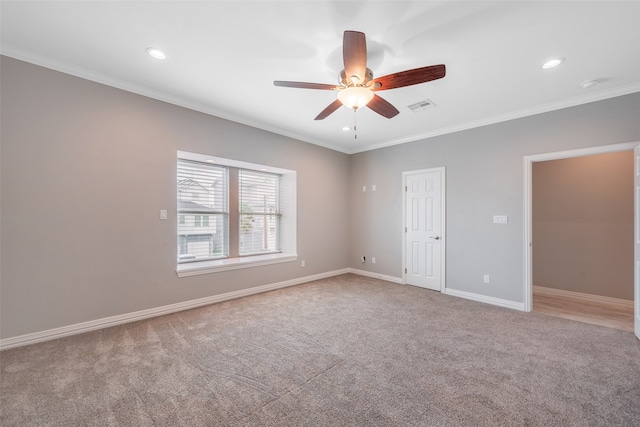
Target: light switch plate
x=163, y=214
x=500, y=219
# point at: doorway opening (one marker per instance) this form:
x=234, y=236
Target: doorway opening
x=580, y=288
x=582, y=217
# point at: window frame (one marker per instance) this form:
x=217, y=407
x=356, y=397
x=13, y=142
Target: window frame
x=288, y=221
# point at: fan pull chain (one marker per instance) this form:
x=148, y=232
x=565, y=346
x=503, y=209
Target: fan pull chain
x=355, y=130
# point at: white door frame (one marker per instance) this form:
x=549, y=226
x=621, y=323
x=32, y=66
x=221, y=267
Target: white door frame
x=528, y=182
x=443, y=210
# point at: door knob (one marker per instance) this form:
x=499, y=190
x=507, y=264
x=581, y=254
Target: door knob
x=435, y=237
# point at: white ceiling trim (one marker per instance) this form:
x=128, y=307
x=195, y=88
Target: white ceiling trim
x=101, y=78
x=95, y=76
x=565, y=103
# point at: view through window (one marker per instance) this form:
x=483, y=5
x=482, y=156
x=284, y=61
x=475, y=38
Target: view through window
x=213, y=198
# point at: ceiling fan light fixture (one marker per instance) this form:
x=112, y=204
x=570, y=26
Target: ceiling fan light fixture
x=355, y=97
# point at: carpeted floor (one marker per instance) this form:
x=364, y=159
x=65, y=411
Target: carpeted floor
x=344, y=351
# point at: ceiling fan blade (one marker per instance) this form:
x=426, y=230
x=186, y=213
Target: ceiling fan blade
x=330, y=109
x=383, y=107
x=303, y=85
x=409, y=77
x=354, y=55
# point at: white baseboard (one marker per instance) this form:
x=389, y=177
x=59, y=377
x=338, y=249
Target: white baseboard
x=461, y=294
x=483, y=298
x=376, y=275
x=541, y=290
x=106, y=322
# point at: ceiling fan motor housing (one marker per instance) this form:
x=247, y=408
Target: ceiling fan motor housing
x=356, y=80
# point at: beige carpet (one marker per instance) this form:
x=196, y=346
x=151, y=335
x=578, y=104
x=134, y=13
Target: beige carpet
x=342, y=351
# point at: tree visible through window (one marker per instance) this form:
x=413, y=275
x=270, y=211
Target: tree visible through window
x=259, y=212
x=205, y=192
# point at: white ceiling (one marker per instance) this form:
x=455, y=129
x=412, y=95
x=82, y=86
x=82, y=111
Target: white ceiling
x=223, y=57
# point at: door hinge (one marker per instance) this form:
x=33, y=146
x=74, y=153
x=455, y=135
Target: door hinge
x=405, y=188
x=405, y=229
x=405, y=271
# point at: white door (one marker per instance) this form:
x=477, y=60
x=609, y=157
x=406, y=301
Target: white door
x=636, y=183
x=424, y=228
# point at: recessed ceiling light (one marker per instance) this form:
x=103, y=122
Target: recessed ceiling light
x=552, y=63
x=590, y=83
x=346, y=128
x=156, y=53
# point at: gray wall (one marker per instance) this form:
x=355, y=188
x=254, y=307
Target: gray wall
x=85, y=169
x=484, y=173
x=583, y=224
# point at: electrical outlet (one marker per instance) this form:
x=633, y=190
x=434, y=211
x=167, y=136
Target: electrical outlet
x=486, y=278
x=363, y=259
x=373, y=260
x=302, y=263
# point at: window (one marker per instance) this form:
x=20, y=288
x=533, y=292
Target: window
x=233, y=214
x=202, y=211
x=259, y=212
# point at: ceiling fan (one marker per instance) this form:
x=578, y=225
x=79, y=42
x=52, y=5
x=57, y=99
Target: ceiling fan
x=357, y=85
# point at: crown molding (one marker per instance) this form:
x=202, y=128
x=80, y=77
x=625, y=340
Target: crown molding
x=518, y=114
x=95, y=76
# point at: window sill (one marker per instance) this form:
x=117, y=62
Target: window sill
x=214, y=266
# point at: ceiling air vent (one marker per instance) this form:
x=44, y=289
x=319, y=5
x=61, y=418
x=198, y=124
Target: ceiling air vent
x=421, y=106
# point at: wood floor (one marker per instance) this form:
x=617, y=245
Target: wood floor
x=608, y=312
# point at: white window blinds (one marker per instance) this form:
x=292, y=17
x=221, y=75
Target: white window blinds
x=259, y=212
x=203, y=213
